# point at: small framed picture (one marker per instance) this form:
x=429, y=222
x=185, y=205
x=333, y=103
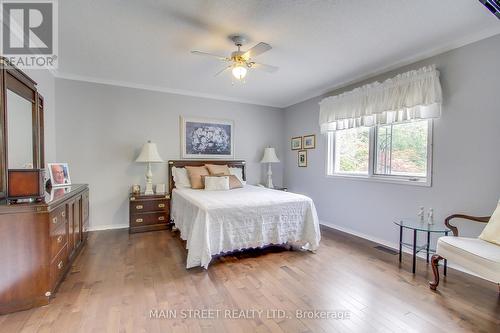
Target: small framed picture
x=297, y=143
x=160, y=189
x=302, y=158
x=309, y=141
x=136, y=189
x=59, y=174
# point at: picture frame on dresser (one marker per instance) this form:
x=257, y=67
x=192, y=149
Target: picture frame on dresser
x=205, y=138
x=59, y=174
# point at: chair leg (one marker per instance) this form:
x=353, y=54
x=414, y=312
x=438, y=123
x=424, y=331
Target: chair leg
x=435, y=269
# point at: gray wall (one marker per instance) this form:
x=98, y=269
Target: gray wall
x=466, y=167
x=102, y=129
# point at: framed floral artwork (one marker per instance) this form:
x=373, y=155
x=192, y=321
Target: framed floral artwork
x=309, y=141
x=302, y=158
x=207, y=138
x=297, y=143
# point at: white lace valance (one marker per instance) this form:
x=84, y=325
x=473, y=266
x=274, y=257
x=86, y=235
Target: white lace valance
x=411, y=95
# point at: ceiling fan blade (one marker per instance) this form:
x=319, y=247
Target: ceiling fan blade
x=209, y=55
x=264, y=67
x=222, y=70
x=256, y=50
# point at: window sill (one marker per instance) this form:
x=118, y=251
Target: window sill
x=383, y=179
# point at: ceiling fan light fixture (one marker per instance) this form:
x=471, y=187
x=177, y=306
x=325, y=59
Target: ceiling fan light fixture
x=239, y=72
x=240, y=62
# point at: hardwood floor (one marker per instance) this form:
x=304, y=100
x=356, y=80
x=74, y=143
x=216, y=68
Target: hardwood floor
x=119, y=278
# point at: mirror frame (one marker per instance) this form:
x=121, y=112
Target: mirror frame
x=15, y=80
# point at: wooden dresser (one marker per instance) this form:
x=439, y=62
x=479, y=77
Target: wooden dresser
x=149, y=212
x=38, y=243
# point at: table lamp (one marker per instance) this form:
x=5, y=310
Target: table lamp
x=149, y=154
x=269, y=157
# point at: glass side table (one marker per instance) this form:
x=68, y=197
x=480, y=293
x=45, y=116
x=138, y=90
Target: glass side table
x=417, y=225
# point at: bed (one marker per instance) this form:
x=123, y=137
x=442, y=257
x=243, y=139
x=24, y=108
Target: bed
x=218, y=222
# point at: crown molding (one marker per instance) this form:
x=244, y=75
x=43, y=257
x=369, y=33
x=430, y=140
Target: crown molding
x=125, y=84
x=466, y=40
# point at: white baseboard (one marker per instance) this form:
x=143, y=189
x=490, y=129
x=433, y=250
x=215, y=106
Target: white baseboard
x=108, y=227
x=394, y=246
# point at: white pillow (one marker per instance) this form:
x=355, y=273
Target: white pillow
x=491, y=233
x=238, y=172
x=181, y=178
x=216, y=183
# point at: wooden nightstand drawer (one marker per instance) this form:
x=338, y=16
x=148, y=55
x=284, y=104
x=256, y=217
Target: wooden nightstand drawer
x=140, y=206
x=137, y=220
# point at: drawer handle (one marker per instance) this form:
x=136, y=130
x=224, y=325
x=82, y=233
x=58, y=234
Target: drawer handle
x=161, y=205
x=59, y=239
x=139, y=207
x=161, y=218
x=63, y=214
x=54, y=220
x=60, y=265
x=139, y=220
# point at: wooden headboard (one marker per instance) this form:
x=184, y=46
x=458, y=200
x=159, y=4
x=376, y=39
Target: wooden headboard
x=182, y=163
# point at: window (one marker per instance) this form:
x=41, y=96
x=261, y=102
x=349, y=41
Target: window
x=352, y=149
x=395, y=153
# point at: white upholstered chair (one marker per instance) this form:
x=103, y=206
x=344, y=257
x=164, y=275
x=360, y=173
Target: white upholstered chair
x=474, y=254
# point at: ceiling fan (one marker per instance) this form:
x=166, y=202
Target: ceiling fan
x=241, y=61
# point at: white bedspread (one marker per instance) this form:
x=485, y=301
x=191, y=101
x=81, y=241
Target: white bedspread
x=213, y=222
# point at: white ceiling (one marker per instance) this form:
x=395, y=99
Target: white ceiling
x=317, y=44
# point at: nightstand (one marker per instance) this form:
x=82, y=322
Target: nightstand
x=148, y=212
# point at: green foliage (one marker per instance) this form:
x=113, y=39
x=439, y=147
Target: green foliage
x=401, y=149
x=409, y=148
x=353, y=150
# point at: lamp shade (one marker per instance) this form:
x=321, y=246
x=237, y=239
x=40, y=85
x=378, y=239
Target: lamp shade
x=269, y=156
x=149, y=154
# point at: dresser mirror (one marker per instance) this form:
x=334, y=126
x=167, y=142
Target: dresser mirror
x=21, y=140
x=19, y=131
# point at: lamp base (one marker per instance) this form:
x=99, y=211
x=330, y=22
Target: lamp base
x=149, y=189
x=269, y=176
x=149, y=181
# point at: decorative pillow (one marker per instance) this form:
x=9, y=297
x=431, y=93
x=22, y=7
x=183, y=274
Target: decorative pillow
x=491, y=233
x=195, y=174
x=238, y=172
x=233, y=180
x=216, y=183
x=216, y=169
x=181, y=178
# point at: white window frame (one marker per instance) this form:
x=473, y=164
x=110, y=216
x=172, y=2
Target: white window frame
x=372, y=176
